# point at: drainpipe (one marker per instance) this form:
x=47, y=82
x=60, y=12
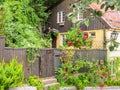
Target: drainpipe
x=104, y=43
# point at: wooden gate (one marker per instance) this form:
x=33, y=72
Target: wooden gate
x=46, y=62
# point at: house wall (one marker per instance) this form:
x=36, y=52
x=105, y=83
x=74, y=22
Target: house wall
x=98, y=42
x=58, y=44
x=96, y=23
x=52, y=20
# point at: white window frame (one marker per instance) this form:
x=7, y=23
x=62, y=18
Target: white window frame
x=62, y=38
x=60, y=17
x=79, y=17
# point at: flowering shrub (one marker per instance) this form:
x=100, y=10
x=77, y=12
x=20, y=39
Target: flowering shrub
x=78, y=39
x=98, y=74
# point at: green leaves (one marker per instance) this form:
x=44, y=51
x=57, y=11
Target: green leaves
x=35, y=81
x=11, y=74
x=77, y=38
x=84, y=5
x=21, y=21
x=113, y=44
x=68, y=73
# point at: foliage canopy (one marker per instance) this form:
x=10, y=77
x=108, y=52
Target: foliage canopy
x=22, y=22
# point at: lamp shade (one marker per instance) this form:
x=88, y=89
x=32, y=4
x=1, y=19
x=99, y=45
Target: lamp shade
x=114, y=35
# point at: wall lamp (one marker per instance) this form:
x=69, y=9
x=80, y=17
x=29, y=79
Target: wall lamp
x=114, y=35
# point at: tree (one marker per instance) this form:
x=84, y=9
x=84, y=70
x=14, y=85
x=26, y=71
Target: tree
x=22, y=22
x=84, y=5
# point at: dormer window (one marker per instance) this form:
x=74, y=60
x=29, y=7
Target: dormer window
x=79, y=17
x=61, y=17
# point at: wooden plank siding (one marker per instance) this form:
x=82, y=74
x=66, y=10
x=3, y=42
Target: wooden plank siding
x=50, y=59
x=47, y=62
x=52, y=20
x=18, y=53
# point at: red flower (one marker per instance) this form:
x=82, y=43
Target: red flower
x=85, y=36
x=70, y=43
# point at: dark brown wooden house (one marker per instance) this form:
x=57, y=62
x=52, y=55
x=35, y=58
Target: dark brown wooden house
x=97, y=28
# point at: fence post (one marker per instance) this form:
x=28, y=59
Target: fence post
x=2, y=45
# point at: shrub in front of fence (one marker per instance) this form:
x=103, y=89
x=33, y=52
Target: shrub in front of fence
x=12, y=77
x=96, y=74
x=11, y=74
x=78, y=39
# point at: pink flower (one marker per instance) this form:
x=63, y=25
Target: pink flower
x=85, y=36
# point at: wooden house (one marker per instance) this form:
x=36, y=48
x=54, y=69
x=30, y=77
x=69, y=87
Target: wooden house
x=100, y=28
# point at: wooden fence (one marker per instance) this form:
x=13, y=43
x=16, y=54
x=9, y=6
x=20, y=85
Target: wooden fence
x=47, y=61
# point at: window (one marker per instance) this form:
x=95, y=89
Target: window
x=62, y=39
x=79, y=17
x=92, y=34
x=61, y=17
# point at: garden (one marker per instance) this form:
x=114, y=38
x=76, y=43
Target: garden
x=85, y=73
x=21, y=22
x=79, y=74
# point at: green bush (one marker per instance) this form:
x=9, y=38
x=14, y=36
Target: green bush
x=54, y=87
x=11, y=74
x=68, y=74
x=35, y=81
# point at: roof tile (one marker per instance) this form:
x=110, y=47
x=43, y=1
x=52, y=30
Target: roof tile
x=112, y=17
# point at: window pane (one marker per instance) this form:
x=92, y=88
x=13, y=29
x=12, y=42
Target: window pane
x=63, y=37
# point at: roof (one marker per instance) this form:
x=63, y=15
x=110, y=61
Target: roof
x=111, y=17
